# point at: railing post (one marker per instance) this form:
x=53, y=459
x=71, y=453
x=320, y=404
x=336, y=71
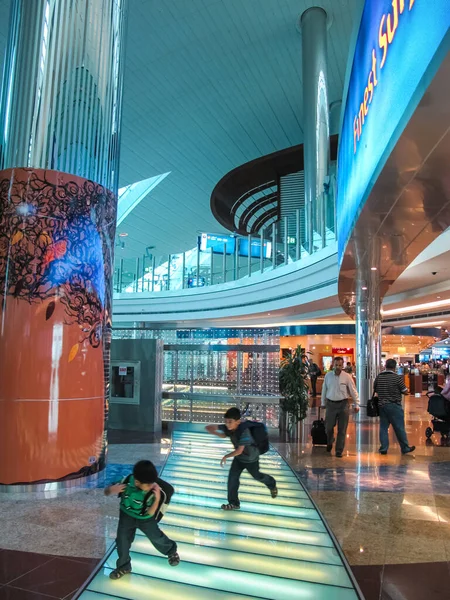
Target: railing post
x=286, y=247
x=212, y=265
x=298, y=244
x=183, y=279
x=323, y=227
x=261, y=252
x=236, y=260
x=121, y=276
x=249, y=257
x=274, y=242
x=224, y=263
x=153, y=272
x=198, y=264
x=168, y=272
x=137, y=275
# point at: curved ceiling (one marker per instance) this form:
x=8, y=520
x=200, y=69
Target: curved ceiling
x=251, y=180
x=209, y=85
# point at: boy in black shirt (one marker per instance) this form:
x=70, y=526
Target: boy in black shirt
x=245, y=456
x=137, y=510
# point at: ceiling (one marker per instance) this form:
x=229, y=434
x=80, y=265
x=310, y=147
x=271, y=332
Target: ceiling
x=209, y=85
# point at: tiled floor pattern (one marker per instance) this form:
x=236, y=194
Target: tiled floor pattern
x=30, y=576
x=270, y=549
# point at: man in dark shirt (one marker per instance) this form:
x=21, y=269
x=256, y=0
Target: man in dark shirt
x=390, y=387
x=314, y=373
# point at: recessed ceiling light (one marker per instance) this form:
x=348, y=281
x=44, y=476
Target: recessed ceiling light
x=373, y=268
x=123, y=234
x=364, y=287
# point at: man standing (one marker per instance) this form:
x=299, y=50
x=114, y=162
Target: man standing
x=314, y=373
x=337, y=387
x=389, y=387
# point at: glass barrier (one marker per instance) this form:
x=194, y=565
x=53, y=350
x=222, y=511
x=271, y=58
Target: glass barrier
x=279, y=244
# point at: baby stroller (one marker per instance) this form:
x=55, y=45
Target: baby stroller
x=439, y=408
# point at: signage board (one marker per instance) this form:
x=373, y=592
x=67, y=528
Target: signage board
x=217, y=242
x=342, y=351
x=255, y=248
x=122, y=371
x=399, y=47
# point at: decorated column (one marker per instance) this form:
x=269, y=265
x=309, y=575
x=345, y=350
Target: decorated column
x=59, y=148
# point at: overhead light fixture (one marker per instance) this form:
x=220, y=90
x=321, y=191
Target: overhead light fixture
x=373, y=268
x=434, y=324
x=123, y=234
x=364, y=287
x=416, y=307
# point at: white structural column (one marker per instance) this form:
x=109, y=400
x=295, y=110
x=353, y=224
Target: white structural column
x=316, y=127
x=367, y=315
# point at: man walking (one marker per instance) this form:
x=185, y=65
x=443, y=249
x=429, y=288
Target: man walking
x=337, y=387
x=389, y=387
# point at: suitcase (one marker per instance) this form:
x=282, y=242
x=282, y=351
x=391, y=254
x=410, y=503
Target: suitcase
x=318, y=432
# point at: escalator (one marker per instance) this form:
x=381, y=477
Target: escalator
x=270, y=549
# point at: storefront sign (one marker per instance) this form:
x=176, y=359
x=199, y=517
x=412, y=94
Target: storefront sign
x=343, y=351
x=399, y=47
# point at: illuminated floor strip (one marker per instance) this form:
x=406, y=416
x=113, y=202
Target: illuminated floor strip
x=270, y=549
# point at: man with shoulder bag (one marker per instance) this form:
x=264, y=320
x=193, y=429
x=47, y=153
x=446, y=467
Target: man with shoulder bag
x=389, y=389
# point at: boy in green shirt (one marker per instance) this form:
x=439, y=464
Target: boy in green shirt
x=137, y=510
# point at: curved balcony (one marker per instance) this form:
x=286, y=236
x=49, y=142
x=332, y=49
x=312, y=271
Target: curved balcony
x=222, y=258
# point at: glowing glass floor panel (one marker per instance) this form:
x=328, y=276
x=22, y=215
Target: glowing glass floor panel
x=270, y=549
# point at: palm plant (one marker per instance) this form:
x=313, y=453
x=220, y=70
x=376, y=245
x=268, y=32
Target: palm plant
x=294, y=388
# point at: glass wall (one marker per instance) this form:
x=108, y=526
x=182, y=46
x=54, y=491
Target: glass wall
x=208, y=370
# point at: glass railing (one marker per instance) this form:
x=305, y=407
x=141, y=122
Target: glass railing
x=279, y=244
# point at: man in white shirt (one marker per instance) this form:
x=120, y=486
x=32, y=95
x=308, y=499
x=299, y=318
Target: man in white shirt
x=337, y=387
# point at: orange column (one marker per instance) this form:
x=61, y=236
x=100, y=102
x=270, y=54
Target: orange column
x=56, y=243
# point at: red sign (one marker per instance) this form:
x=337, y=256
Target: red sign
x=344, y=351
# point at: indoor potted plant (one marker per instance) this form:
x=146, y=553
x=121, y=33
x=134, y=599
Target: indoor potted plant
x=294, y=388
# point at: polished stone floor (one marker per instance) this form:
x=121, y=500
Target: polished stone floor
x=390, y=514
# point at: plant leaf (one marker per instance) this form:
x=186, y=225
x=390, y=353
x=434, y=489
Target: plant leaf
x=17, y=237
x=50, y=310
x=73, y=352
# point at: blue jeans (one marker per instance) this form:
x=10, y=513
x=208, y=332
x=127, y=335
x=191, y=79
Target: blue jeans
x=392, y=414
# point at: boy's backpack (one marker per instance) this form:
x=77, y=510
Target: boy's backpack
x=167, y=492
x=259, y=434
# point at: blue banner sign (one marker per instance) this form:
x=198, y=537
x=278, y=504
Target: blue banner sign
x=255, y=248
x=399, y=48
x=217, y=242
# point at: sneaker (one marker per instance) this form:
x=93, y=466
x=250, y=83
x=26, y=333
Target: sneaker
x=410, y=449
x=174, y=559
x=329, y=447
x=119, y=573
x=230, y=507
x=381, y=451
x=274, y=492
x=339, y=454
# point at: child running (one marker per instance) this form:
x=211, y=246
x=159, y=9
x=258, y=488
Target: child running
x=245, y=456
x=140, y=496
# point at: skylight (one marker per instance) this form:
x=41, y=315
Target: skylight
x=131, y=195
